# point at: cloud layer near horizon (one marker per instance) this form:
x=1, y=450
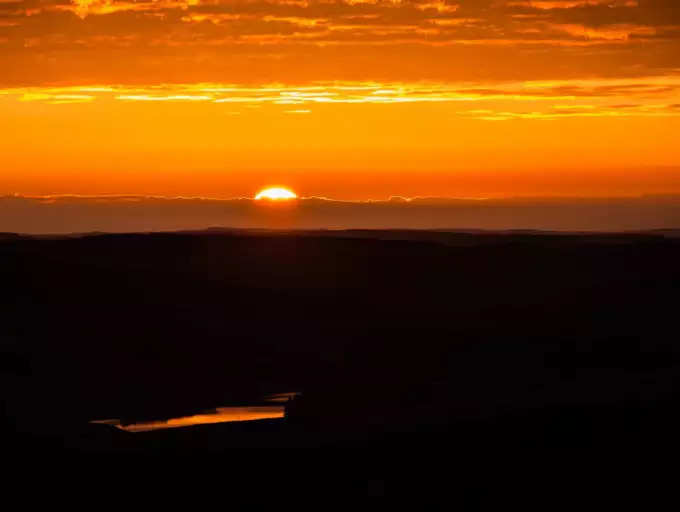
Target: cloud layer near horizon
x=72, y=214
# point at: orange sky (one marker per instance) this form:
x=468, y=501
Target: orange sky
x=345, y=99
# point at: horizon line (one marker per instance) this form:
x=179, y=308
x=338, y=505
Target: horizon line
x=388, y=199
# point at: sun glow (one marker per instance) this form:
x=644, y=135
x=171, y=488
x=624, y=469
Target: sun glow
x=276, y=193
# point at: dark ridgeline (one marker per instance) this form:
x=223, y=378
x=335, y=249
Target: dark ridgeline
x=462, y=344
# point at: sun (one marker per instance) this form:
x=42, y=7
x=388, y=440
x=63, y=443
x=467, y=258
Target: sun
x=276, y=193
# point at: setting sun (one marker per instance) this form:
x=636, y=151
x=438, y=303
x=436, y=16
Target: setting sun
x=276, y=193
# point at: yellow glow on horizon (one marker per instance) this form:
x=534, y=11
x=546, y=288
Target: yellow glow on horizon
x=276, y=194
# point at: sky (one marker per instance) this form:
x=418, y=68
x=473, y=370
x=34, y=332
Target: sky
x=343, y=99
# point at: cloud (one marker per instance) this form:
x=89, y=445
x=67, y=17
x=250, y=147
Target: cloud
x=68, y=214
x=56, y=99
x=649, y=97
x=212, y=40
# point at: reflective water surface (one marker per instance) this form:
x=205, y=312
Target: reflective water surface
x=217, y=415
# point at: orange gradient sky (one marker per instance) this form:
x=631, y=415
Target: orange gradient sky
x=350, y=99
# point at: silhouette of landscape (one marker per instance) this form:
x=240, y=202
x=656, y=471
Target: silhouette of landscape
x=481, y=347
x=461, y=343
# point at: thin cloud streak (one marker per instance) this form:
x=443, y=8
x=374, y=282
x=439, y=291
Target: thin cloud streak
x=651, y=97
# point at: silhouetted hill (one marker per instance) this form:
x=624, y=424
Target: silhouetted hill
x=397, y=339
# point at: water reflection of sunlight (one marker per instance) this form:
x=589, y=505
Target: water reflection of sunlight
x=218, y=415
x=281, y=397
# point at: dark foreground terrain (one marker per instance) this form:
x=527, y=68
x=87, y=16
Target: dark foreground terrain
x=438, y=357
